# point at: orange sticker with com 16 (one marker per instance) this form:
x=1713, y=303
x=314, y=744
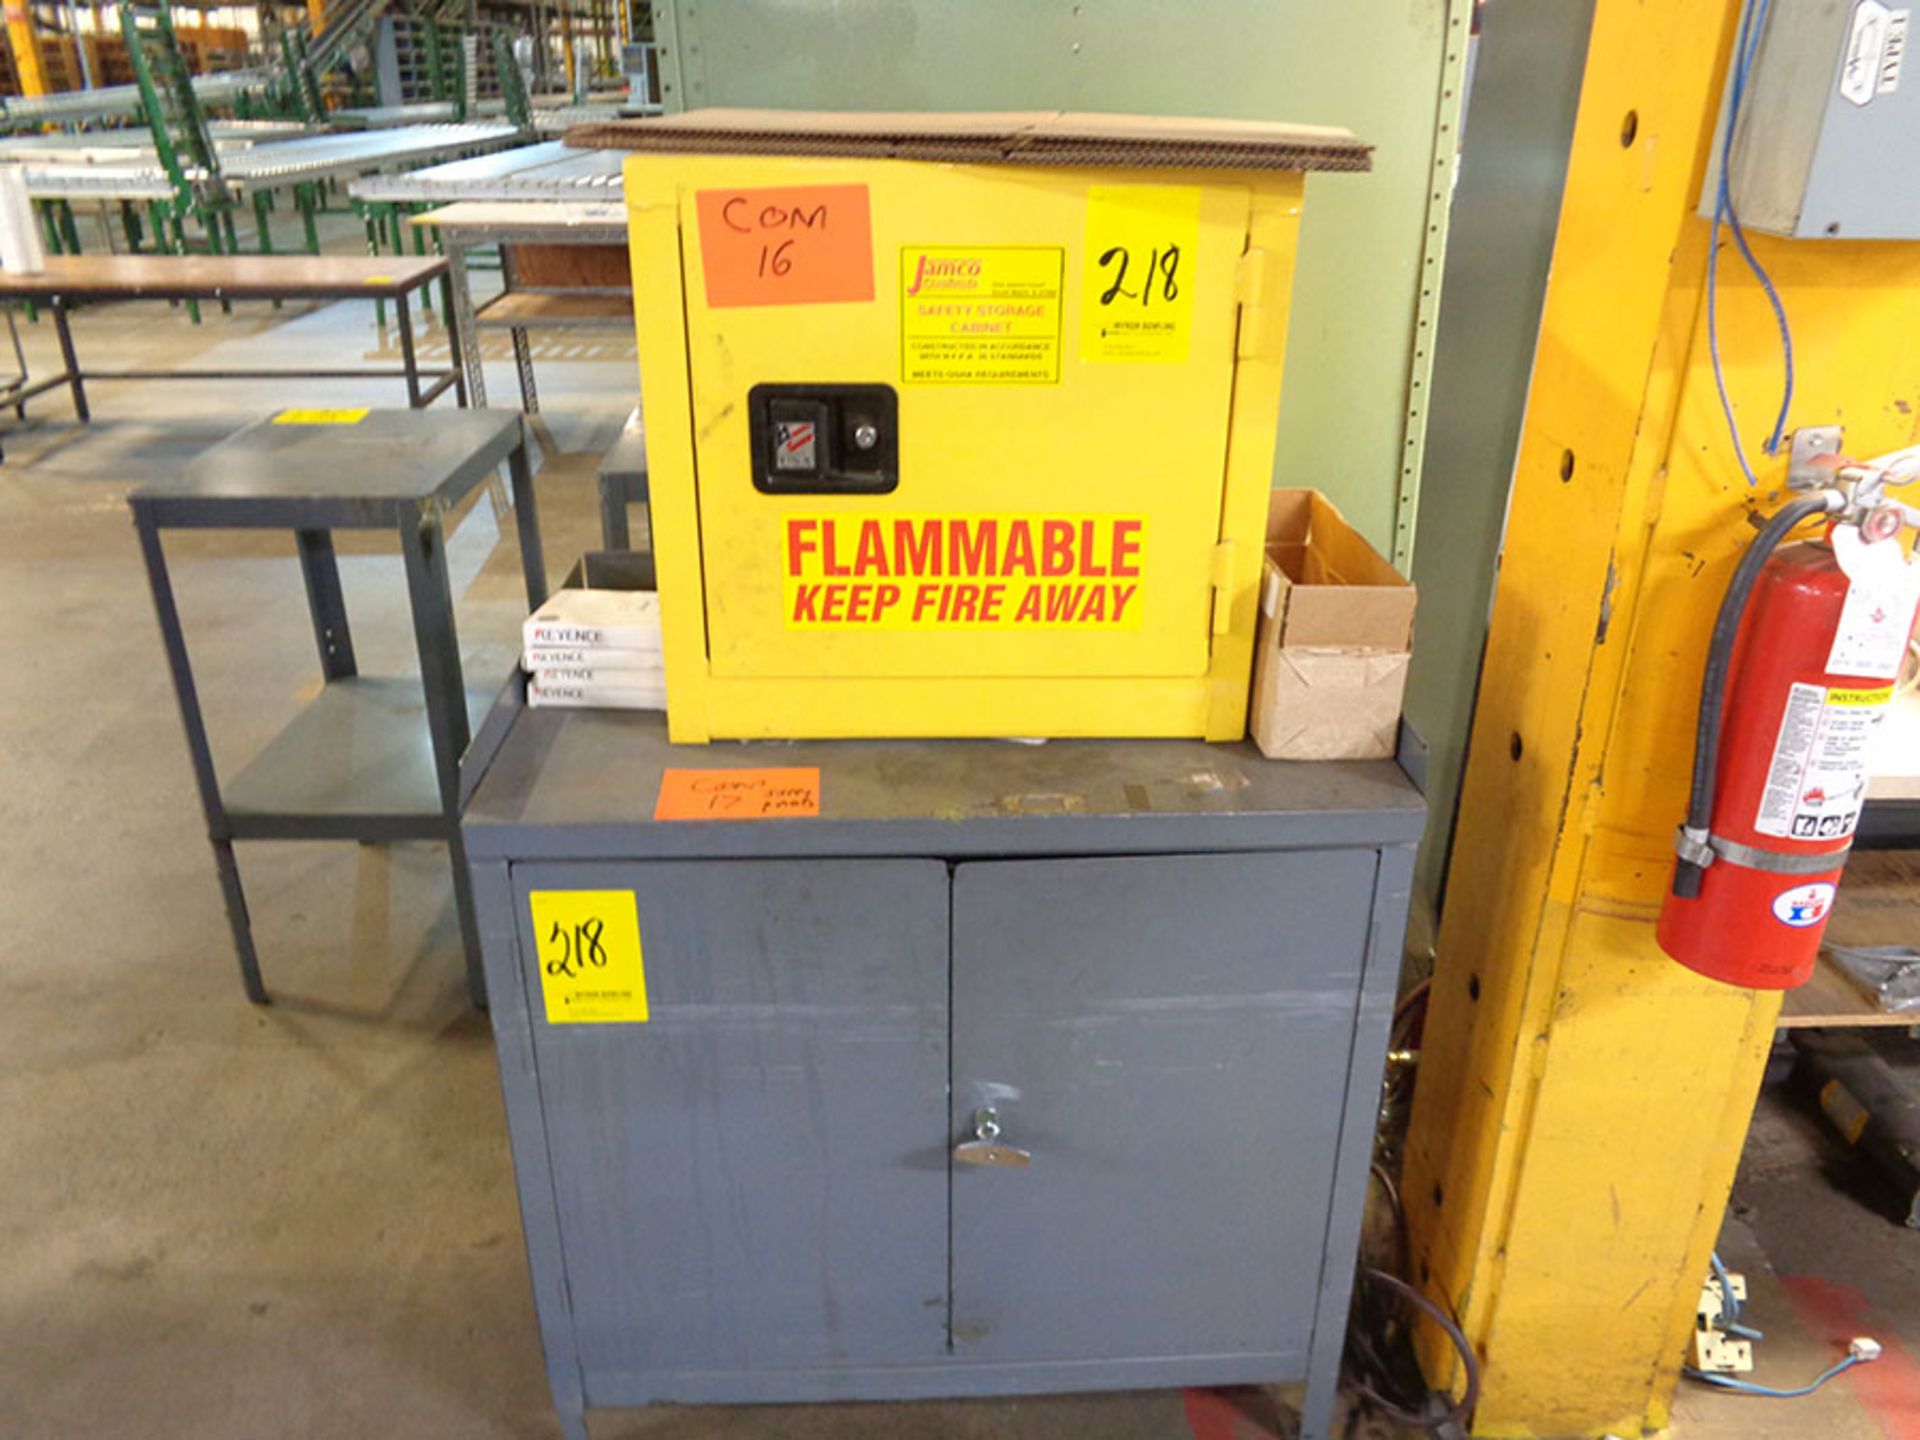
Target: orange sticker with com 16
x=786, y=245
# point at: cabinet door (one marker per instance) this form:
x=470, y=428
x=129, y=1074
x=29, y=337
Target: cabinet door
x=1003, y=423
x=753, y=1178
x=1168, y=1037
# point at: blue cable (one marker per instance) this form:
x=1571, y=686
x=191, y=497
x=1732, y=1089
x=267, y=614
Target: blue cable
x=1746, y=45
x=1729, y=1302
x=1729, y=1322
x=1747, y=1387
x=1748, y=52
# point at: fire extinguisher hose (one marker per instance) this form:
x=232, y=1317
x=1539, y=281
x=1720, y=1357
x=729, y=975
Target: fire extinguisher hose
x=1688, y=873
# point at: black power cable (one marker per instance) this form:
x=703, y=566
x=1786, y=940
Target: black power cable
x=1461, y=1410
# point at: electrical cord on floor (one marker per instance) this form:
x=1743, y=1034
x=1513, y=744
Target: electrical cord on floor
x=1860, y=1350
x=1768, y=1392
x=1459, y=1411
x=1438, y=1414
x=1746, y=44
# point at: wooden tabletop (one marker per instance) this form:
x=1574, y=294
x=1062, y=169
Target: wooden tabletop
x=233, y=277
x=1878, y=904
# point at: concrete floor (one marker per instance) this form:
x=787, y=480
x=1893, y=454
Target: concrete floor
x=1815, y=1229
x=299, y=1221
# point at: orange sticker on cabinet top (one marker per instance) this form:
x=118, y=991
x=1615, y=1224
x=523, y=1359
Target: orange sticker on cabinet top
x=764, y=794
x=786, y=245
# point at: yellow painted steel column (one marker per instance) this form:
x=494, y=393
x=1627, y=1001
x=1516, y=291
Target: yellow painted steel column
x=1582, y=1099
x=25, y=39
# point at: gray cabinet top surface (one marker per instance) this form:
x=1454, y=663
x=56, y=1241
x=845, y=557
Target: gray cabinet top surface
x=582, y=784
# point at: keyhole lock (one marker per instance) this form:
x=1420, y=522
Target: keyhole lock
x=984, y=1148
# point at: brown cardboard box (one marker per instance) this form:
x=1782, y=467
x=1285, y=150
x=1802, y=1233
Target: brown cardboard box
x=1336, y=625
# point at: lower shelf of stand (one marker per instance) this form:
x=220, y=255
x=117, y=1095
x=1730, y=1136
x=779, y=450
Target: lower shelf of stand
x=355, y=763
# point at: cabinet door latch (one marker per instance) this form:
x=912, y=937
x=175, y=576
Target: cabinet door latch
x=985, y=1147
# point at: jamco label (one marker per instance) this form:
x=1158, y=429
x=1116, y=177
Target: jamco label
x=980, y=315
x=912, y=572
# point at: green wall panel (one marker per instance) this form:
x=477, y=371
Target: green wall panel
x=1374, y=68
x=1519, y=125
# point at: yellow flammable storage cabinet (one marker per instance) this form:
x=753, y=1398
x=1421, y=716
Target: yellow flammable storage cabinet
x=961, y=425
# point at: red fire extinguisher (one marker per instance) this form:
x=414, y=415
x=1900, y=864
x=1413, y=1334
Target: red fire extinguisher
x=1800, y=670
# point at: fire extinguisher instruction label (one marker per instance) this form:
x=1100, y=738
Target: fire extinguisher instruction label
x=1818, y=778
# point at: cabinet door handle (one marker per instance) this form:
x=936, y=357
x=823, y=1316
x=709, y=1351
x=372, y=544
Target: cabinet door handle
x=985, y=1147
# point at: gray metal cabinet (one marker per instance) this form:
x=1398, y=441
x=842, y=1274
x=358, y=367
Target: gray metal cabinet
x=1166, y=967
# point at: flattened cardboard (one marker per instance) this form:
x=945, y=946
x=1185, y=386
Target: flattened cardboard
x=1336, y=621
x=1034, y=137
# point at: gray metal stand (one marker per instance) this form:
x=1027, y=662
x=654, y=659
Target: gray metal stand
x=355, y=763
x=623, y=482
x=1014, y=1069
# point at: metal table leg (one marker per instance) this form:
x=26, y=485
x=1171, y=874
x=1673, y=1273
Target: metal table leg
x=326, y=603
x=423, y=547
x=522, y=350
x=455, y=346
x=374, y=231
x=461, y=311
x=533, y=562
x=409, y=361
x=613, y=514
x=419, y=248
x=262, y=225
x=20, y=378
x=304, y=198
x=523, y=362
x=74, y=382
x=204, y=777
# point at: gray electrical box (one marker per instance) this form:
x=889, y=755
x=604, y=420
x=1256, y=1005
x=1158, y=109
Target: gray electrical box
x=1828, y=142
x=639, y=64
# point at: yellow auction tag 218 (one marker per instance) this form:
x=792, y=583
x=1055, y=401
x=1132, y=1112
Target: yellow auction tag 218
x=1136, y=292
x=320, y=417
x=587, y=943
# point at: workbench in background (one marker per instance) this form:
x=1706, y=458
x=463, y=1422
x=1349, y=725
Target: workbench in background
x=1878, y=904
x=70, y=282
x=563, y=267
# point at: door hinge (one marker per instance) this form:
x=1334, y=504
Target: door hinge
x=1250, y=290
x=1220, y=574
